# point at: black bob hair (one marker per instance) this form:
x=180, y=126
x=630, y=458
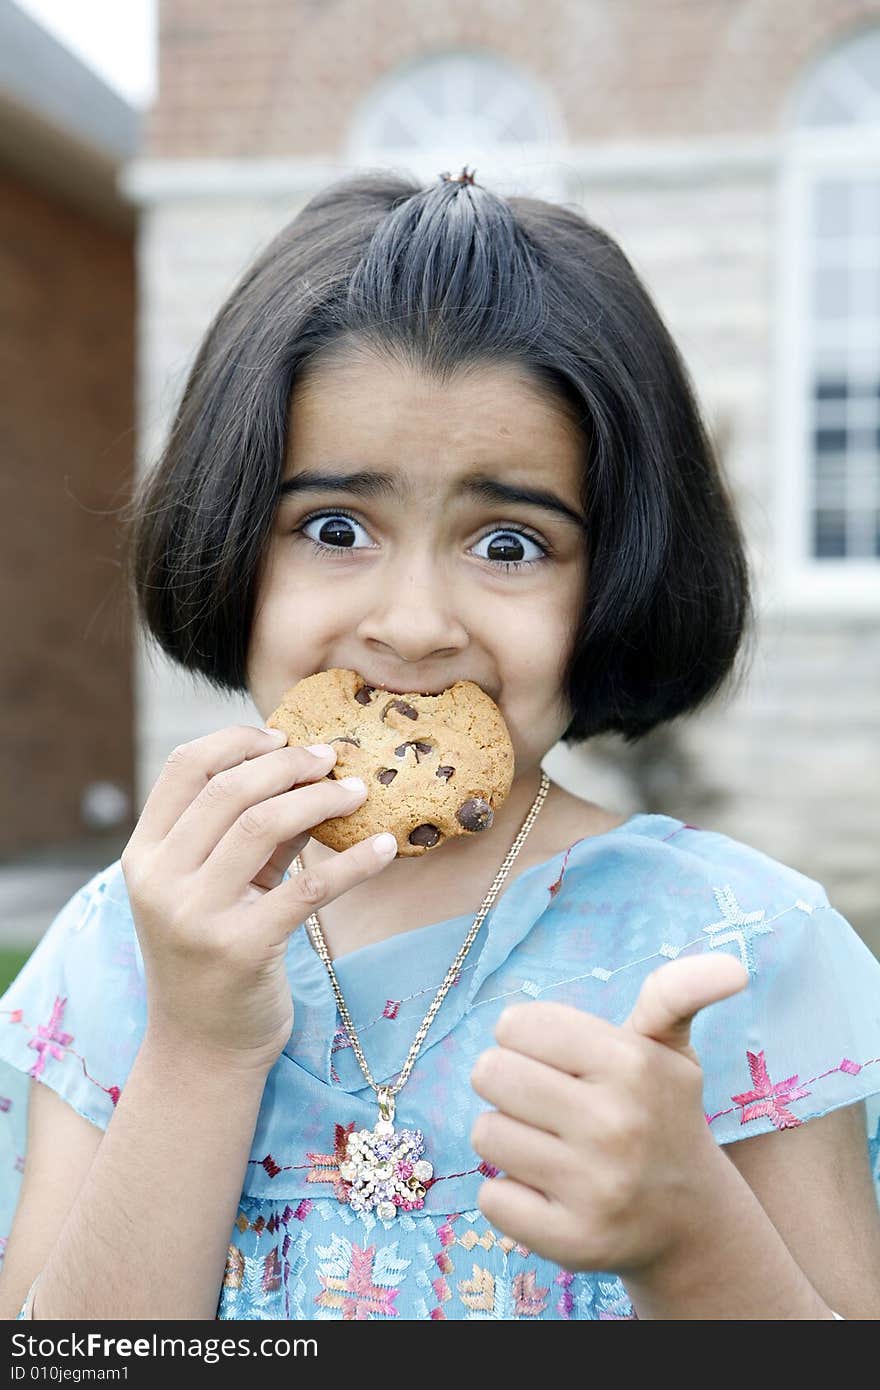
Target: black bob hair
x=442, y=279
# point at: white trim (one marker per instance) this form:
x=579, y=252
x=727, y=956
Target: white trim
x=828, y=587
x=789, y=429
x=657, y=163
x=161, y=180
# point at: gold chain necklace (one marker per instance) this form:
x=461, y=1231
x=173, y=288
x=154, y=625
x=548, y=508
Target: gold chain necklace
x=383, y=1168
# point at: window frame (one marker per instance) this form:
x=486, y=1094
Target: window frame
x=806, y=581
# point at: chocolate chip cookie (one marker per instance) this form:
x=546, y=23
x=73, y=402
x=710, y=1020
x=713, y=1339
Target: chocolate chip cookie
x=434, y=765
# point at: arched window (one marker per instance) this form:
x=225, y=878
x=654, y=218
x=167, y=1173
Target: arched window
x=830, y=330
x=448, y=110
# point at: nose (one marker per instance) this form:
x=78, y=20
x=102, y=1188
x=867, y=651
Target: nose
x=411, y=610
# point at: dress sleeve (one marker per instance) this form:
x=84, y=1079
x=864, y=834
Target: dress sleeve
x=803, y=1037
x=72, y=1019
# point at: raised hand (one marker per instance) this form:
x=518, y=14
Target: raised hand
x=598, y=1128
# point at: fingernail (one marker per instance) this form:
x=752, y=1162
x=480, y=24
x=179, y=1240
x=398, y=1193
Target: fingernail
x=278, y=734
x=321, y=750
x=385, y=844
x=354, y=784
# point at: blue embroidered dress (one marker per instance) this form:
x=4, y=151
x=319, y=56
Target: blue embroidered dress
x=584, y=928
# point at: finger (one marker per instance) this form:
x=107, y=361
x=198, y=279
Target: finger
x=571, y=1040
x=230, y=794
x=671, y=996
x=258, y=831
x=522, y=1213
x=526, y=1090
x=276, y=866
x=528, y=1155
x=188, y=769
x=288, y=905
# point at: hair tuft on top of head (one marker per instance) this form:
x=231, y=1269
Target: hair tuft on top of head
x=463, y=177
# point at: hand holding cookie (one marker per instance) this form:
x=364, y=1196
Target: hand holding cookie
x=435, y=766
x=205, y=869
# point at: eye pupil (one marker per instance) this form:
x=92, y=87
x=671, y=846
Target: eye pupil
x=511, y=547
x=337, y=531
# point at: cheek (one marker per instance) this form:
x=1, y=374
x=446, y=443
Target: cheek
x=285, y=632
x=532, y=652
x=534, y=640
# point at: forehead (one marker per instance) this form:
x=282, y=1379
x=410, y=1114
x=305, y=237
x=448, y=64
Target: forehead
x=367, y=411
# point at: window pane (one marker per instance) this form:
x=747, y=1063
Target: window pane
x=832, y=208
x=830, y=441
x=832, y=388
x=830, y=482
x=826, y=108
x=864, y=289
x=864, y=55
x=830, y=534
x=831, y=292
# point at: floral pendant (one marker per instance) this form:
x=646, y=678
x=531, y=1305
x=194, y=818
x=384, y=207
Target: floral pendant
x=384, y=1170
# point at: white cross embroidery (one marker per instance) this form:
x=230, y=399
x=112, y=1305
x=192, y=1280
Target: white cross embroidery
x=738, y=926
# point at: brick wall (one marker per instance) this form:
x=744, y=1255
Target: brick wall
x=67, y=410
x=268, y=78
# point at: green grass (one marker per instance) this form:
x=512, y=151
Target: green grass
x=12, y=958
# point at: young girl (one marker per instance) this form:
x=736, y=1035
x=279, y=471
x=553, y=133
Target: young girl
x=437, y=435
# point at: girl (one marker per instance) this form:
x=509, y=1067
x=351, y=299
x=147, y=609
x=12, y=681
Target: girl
x=439, y=435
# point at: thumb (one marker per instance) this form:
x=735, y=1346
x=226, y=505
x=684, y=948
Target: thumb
x=671, y=996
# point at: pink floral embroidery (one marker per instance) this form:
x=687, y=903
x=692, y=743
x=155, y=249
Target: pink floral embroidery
x=391, y=1008
x=271, y=1277
x=529, y=1299
x=769, y=1099
x=326, y=1166
x=565, y=1302
x=357, y=1296
x=50, y=1040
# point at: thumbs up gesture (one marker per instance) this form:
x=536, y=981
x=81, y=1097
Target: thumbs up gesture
x=599, y=1128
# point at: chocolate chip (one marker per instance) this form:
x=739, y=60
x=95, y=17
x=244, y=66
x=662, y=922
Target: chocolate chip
x=444, y=772
x=387, y=776
x=355, y=741
x=416, y=746
x=426, y=835
x=403, y=707
x=364, y=694
x=475, y=814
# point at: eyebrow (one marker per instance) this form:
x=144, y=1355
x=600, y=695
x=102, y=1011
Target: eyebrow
x=479, y=485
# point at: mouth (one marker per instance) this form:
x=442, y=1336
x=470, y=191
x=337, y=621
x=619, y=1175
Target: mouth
x=412, y=689
x=407, y=689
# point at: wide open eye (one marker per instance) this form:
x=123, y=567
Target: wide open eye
x=335, y=530
x=510, y=548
